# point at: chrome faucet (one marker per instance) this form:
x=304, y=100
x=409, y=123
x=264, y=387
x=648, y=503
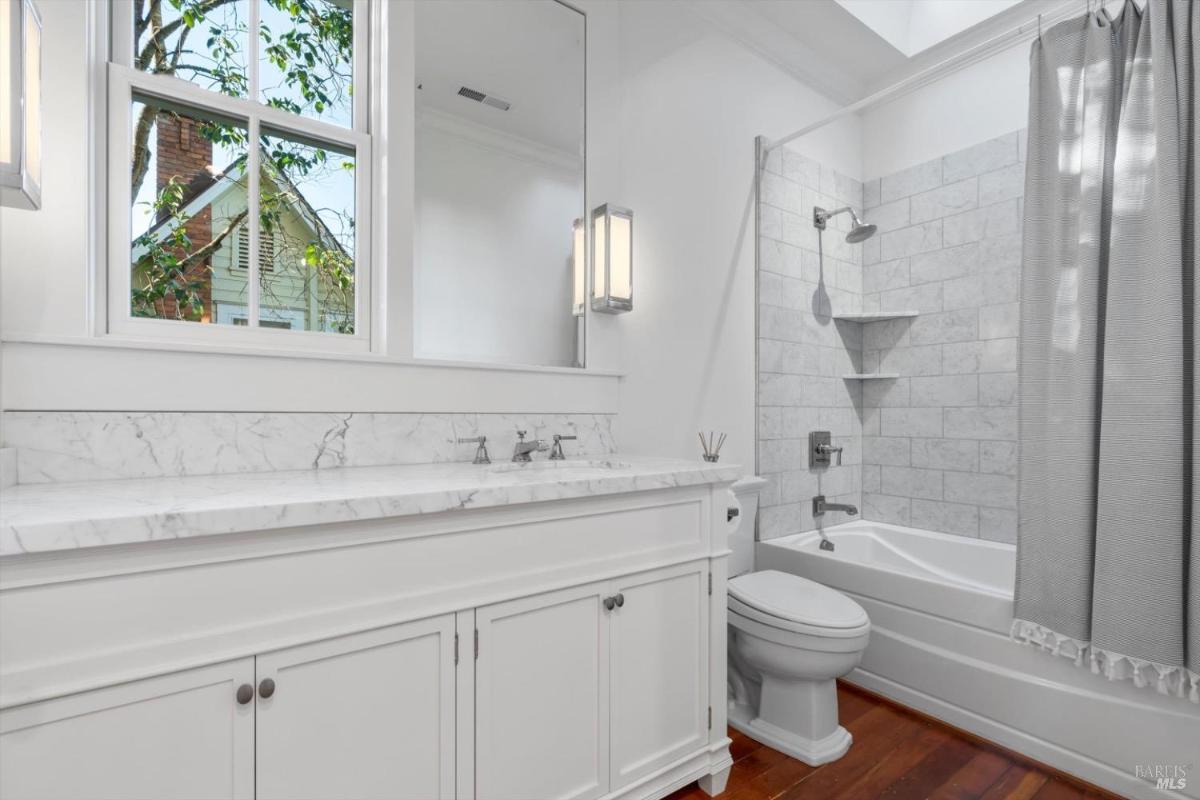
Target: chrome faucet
x=820, y=507
x=523, y=449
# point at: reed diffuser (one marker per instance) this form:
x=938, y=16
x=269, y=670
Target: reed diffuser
x=712, y=446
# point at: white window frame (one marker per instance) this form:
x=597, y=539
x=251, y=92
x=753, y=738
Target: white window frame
x=124, y=81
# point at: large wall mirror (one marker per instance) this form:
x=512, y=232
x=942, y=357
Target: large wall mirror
x=499, y=181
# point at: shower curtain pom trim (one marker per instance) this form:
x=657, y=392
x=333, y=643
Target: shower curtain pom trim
x=1166, y=679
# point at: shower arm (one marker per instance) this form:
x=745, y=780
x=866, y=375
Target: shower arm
x=821, y=216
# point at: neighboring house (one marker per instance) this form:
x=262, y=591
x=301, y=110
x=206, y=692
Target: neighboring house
x=293, y=294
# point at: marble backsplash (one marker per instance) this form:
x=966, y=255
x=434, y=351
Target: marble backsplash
x=61, y=446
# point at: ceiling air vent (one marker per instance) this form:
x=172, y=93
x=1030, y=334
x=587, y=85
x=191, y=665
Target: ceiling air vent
x=486, y=99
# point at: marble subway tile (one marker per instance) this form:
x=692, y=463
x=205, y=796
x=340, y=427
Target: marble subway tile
x=911, y=422
x=1006, y=183
x=996, y=491
x=780, y=258
x=945, y=390
x=892, y=451
x=871, y=193
x=887, y=393
x=999, y=458
x=870, y=478
x=913, y=180
x=1000, y=321
x=926, y=299
x=891, y=216
x=912, y=482
x=885, y=275
x=957, y=518
x=984, y=157
x=944, y=264
x=914, y=361
x=998, y=219
x=770, y=223
x=799, y=167
x=885, y=508
x=952, y=454
x=965, y=292
x=998, y=389
x=948, y=326
x=782, y=193
x=981, y=423
x=909, y=241
x=950, y=198
x=998, y=525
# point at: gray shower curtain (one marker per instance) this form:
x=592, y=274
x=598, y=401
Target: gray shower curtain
x=1108, y=555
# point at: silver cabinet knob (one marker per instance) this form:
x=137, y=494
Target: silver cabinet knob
x=610, y=603
x=266, y=688
x=245, y=693
x=620, y=598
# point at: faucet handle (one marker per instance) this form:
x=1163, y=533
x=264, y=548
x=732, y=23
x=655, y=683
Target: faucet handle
x=481, y=453
x=556, y=452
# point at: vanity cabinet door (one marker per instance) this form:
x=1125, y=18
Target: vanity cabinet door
x=369, y=715
x=659, y=657
x=183, y=735
x=541, y=697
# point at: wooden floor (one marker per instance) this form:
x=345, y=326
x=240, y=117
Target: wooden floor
x=896, y=754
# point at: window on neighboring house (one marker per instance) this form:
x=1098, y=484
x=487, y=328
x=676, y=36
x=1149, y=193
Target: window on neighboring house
x=237, y=130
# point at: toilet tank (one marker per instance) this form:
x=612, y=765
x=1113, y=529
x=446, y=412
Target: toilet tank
x=741, y=537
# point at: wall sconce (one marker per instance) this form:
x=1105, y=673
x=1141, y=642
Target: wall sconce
x=20, y=104
x=612, y=259
x=579, y=267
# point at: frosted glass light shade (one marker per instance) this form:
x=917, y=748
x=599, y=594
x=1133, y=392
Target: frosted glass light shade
x=20, y=104
x=578, y=268
x=612, y=259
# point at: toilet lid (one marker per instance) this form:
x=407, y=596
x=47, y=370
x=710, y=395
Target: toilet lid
x=795, y=599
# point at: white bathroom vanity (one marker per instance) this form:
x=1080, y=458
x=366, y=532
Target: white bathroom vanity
x=429, y=631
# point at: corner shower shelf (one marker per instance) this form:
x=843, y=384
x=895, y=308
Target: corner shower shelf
x=876, y=316
x=872, y=376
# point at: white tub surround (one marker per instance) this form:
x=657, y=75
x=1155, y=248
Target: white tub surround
x=57, y=446
x=446, y=631
x=941, y=608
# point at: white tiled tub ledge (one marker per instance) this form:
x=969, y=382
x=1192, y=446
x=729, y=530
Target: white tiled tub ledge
x=40, y=518
x=64, y=446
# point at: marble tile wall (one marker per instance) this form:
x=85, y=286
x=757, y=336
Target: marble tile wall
x=805, y=276
x=940, y=442
x=82, y=446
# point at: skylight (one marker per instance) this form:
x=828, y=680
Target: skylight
x=912, y=26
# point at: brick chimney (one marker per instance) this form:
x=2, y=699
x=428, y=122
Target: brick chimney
x=186, y=156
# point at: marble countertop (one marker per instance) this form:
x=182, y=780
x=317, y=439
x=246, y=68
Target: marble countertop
x=39, y=518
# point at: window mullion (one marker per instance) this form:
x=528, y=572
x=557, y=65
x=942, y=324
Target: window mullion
x=252, y=222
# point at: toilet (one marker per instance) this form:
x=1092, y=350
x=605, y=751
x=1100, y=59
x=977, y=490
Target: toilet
x=789, y=640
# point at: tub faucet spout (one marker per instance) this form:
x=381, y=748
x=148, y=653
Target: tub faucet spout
x=820, y=507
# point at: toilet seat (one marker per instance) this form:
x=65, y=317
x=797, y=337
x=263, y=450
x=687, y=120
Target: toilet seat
x=788, y=602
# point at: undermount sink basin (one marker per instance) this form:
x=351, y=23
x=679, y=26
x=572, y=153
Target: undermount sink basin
x=547, y=465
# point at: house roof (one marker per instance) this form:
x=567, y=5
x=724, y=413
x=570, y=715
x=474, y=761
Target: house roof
x=205, y=187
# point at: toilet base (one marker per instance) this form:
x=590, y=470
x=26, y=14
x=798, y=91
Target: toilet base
x=812, y=752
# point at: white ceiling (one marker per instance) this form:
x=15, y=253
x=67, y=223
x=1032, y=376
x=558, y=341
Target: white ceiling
x=528, y=52
x=823, y=44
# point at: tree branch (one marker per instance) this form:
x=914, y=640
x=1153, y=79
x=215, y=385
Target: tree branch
x=141, y=148
x=196, y=256
x=160, y=33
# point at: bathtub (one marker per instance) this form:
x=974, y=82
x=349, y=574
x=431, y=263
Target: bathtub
x=941, y=609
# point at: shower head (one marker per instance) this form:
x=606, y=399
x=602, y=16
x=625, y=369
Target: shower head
x=859, y=232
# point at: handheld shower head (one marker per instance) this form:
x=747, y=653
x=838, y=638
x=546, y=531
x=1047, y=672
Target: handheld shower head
x=859, y=232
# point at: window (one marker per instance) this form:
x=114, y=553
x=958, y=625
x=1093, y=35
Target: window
x=237, y=206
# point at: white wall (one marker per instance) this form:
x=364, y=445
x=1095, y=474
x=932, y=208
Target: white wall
x=673, y=109
x=693, y=103
x=969, y=106
x=493, y=252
